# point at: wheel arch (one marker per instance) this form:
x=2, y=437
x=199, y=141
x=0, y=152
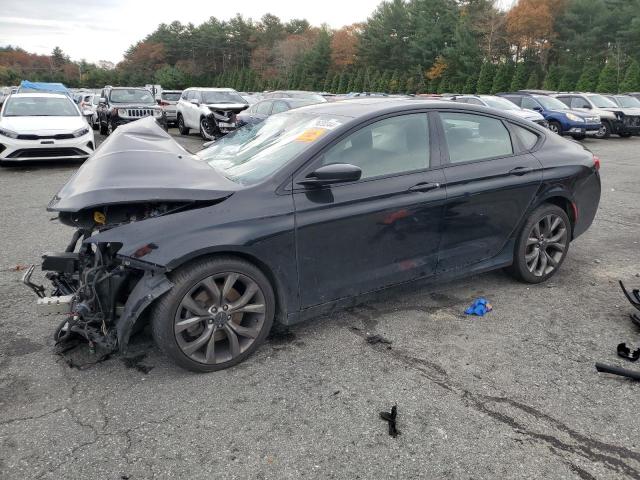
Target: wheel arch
x=278, y=287
x=562, y=200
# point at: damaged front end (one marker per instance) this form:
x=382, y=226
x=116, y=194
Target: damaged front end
x=221, y=120
x=101, y=286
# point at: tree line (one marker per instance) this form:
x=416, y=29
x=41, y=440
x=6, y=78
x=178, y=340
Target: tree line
x=405, y=46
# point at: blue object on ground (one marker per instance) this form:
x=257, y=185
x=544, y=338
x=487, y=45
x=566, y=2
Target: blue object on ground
x=479, y=307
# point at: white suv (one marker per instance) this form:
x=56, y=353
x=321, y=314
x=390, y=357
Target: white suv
x=211, y=111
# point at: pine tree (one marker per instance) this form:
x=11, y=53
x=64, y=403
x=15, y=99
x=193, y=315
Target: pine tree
x=485, y=80
x=588, y=80
x=552, y=78
x=342, y=83
x=520, y=77
x=471, y=84
x=335, y=83
x=608, y=80
x=393, y=82
x=631, y=82
x=568, y=81
x=534, y=81
x=502, y=80
x=383, y=84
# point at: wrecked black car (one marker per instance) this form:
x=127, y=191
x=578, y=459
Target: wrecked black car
x=302, y=213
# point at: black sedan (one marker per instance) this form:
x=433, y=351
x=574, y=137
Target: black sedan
x=305, y=212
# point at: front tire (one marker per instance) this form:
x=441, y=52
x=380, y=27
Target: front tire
x=555, y=127
x=542, y=245
x=605, y=130
x=217, y=314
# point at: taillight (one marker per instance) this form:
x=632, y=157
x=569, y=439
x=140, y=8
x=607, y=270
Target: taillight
x=596, y=162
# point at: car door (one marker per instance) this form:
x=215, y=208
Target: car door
x=580, y=103
x=383, y=229
x=491, y=182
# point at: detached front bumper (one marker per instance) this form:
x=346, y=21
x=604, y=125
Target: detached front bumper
x=79, y=148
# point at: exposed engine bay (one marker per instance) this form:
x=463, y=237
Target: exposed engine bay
x=220, y=121
x=101, y=285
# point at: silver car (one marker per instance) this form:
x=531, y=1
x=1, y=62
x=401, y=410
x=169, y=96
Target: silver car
x=168, y=101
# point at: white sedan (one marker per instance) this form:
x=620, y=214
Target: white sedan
x=43, y=126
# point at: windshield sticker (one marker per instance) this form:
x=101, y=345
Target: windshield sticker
x=327, y=123
x=311, y=135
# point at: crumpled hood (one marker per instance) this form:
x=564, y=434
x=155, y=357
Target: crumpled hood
x=140, y=162
x=235, y=107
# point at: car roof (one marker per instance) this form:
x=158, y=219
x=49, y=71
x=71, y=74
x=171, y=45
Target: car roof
x=380, y=105
x=211, y=89
x=39, y=94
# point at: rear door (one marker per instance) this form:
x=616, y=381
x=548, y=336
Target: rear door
x=383, y=229
x=491, y=181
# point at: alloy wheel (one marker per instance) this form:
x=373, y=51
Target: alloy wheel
x=546, y=245
x=219, y=318
x=554, y=128
x=204, y=130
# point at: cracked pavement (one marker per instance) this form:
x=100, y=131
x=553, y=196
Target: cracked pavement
x=511, y=395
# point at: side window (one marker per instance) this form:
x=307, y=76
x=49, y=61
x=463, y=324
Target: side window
x=475, y=137
x=264, y=108
x=529, y=103
x=527, y=138
x=394, y=145
x=565, y=100
x=184, y=95
x=279, y=107
x=197, y=96
x=579, y=102
x=474, y=101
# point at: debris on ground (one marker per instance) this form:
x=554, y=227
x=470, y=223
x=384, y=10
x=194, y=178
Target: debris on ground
x=373, y=339
x=390, y=417
x=623, y=372
x=479, y=307
x=625, y=352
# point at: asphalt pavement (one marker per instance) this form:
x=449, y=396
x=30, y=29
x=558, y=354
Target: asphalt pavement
x=511, y=395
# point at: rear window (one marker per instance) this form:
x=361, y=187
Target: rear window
x=527, y=138
x=475, y=137
x=172, y=97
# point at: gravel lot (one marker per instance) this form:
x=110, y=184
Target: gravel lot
x=511, y=395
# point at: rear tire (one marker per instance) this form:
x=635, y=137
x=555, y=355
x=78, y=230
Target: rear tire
x=181, y=127
x=542, y=245
x=217, y=314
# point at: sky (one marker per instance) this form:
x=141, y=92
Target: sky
x=103, y=29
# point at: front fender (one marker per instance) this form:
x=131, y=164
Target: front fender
x=150, y=287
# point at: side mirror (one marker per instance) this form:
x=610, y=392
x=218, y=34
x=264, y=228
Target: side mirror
x=103, y=100
x=586, y=107
x=332, y=173
x=537, y=109
x=194, y=101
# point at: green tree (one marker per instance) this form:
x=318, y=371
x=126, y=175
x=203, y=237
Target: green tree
x=485, y=80
x=533, y=82
x=502, y=80
x=631, y=82
x=520, y=77
x=608, y=80
x=171, y=78
x=588, y=80
x=552, y=78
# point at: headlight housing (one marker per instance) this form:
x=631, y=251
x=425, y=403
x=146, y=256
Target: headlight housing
x=574, y=118
x=80, y=132
x=8, y=133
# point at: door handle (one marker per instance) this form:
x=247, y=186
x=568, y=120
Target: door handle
x=520, y=171
x=424, y=187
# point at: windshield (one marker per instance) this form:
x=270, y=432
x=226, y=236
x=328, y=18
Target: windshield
x=40, y=107
x=172, y=97
x=628, y=102
x=221, y=97
x=252, y=153
x=500, y=103
x=551, y=103
x=601, y=102
x=131, y=95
